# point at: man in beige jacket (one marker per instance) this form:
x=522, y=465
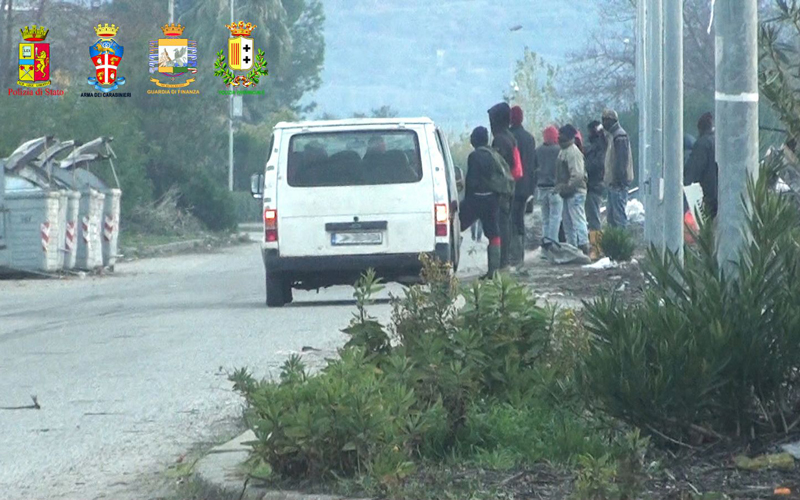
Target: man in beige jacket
x=571, y=184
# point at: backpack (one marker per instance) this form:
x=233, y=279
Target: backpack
x=501, y=181
x=517, y=172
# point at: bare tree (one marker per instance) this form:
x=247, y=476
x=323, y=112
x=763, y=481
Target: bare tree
x=603, y=71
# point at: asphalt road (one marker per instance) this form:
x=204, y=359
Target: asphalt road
x=130, y=370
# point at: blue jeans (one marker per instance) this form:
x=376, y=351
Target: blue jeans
x=575, y=227
x=617, y=201
x=552, y=207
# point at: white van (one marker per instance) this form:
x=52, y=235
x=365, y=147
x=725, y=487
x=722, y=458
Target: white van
x=341, y=197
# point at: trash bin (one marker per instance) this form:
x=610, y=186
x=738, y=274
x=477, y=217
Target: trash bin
x=111, y=227
x=33, y=224
x=71, y=230
x=61, y=235
x=90, y=246
x=107, y=226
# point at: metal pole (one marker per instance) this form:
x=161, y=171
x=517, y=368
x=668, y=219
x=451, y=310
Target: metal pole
x=641, y=100
x=736, y=31
x=171, y=11
x=673, y=128
x=230, y=130
x=655, y=155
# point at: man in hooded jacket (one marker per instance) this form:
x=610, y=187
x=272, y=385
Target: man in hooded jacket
x=524, y=187
x=505, y=143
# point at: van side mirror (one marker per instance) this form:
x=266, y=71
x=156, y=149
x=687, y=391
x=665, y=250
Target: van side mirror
x=257, y=186
x=459, y=179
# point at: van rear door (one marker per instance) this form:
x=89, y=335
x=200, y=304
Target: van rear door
x=355, y=192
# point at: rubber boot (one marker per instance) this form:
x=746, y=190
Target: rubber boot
x=594, y=241
x=516, y=250
x=493, y=257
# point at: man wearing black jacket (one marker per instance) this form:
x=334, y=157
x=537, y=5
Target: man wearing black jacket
x=595, y=171
x=702, y=165
x=484, y=187
x=505, y=143
x=524, y=187
x=619, y=169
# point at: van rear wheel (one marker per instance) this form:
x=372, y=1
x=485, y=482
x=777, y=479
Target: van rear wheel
x=276, y=290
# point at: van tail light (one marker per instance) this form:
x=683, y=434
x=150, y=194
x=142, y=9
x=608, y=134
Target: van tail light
x=442, y=219
x=270, y=225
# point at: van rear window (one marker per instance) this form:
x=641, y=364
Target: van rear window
x=354, y=158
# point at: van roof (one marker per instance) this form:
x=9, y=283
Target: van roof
x=354, y=122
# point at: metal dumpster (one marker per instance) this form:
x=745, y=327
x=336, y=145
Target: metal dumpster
x=90, y=214
x=32, y=225
x=71, y=230
x=73, y=172
x=111, y=227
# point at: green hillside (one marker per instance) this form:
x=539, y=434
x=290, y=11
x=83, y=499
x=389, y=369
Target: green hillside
x=447, y=59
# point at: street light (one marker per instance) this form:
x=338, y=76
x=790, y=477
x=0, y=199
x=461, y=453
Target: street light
x=230, y=129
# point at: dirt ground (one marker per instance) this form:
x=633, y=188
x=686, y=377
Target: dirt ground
x=700, y=475
x=571, y=285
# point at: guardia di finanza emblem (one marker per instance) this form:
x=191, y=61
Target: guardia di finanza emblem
x=242, y=56
x=34, y=57
x=173, y=56
x=106, y=55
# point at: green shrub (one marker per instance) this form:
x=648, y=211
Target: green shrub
x=707, y=353
x=530, y=433
x=617, y=244
x=246, y=208
x=210, y=202
x=440, y=379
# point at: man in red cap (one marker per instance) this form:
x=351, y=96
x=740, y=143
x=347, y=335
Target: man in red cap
x=551, y=202
x=525, y=187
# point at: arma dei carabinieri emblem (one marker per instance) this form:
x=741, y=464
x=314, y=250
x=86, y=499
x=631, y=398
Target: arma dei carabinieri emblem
x=106, y=55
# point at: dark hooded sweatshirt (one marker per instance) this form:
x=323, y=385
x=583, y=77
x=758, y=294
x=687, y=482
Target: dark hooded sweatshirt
x=527, y=152
x=702, y=167
x=596, y=162
x=503, y=140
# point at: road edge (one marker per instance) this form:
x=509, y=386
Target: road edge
x=220, y=474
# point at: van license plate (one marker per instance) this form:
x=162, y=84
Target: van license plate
x=344, y=239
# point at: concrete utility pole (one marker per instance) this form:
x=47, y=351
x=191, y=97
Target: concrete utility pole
x=641, y=98
x=736, y=30
x=655, y=129
x=230, y=130
x=673, y=128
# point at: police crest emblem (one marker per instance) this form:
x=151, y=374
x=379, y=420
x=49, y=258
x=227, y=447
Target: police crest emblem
x=34, y=57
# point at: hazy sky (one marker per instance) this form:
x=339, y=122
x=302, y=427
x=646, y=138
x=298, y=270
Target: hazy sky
x=448, y=59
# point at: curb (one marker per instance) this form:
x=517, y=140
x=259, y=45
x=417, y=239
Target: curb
x=184, y=247
x=221, y=473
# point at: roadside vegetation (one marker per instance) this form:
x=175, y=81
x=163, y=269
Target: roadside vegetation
x=471, y=387
x=618, y=244
x=480, y=375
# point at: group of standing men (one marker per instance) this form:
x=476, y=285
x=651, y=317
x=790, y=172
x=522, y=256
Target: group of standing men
x=570, y=179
